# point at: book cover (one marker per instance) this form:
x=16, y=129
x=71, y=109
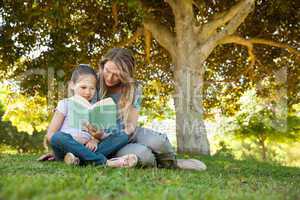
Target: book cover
x=102, y=114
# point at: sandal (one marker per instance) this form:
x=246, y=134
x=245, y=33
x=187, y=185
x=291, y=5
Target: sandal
x=127, y=161
x=71, y=159
x=46, y=157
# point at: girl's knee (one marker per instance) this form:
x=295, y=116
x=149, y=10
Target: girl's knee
x=120, y=139
x=124, y=138
x=57, y=138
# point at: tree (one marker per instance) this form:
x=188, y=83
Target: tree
x=189, y=46
x=15, y=136
x=259, y=121
x=27, y=113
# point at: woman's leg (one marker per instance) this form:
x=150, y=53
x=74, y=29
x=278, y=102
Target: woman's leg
x=63, y=143
x=159, y=144
x=145, y=156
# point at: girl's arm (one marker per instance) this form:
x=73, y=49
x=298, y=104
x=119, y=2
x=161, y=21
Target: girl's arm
x=132, y=120
x=55, y=124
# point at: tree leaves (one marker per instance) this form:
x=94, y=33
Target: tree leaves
x=81, y=32
x=27, y=114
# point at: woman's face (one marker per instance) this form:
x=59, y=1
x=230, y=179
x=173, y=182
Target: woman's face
x=111, y=74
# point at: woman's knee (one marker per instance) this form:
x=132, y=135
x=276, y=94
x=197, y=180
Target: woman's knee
x=144, y=154
x=157, y=142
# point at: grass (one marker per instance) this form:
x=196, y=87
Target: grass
x=24, y=178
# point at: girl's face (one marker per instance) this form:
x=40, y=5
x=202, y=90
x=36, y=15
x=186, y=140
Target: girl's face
x=85, y=86
x=111, y=74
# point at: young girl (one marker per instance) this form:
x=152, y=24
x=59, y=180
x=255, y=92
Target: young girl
x=76, y=146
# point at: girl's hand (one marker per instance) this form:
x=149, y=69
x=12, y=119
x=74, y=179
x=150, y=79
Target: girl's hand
x=92, y=145
x=98, y=134
x=80, y=139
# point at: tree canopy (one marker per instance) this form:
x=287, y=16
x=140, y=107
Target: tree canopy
x=41, y=35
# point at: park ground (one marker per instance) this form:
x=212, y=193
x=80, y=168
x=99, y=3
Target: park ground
x=24, y=178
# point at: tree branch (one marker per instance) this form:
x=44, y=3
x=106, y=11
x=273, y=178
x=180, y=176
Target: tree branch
x=172, y=4
x=114, y=11
x=276, y=44
x=130, y=40
x=211, y=41
x=163, y=35
x=249, y=44
x=183, y=12
x=233, y=18
x=123, y=42
x=148, y=42
x=244, y=42
x=252, y=41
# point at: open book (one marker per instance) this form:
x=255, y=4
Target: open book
x=102, y=114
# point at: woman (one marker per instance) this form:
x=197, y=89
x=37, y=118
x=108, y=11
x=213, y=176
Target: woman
x=116, y=81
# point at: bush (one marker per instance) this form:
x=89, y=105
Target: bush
x=20, y=141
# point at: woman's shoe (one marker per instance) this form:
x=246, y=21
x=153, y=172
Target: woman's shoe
x=127, y=161
x=191, y=164
x=70, y=159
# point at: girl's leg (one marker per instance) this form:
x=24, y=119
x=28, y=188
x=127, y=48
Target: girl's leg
x=159, y=144
x=63, y=143
x=112, y=143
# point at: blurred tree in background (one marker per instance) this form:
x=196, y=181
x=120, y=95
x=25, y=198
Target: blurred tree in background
x=14, y=134
x=262, y=123
x=28, y=114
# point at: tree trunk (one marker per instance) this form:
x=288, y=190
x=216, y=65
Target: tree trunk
x=263, y=148
x=264, y=151
x=190, y=128
x=189, y=46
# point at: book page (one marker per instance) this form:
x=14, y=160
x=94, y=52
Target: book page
x=104, y=114
x=78, y=114
x=106, y=101
x=82, y=101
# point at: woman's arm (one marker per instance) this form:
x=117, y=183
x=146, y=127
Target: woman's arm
x=132, y=120
x=55, y=124
x=133, y=111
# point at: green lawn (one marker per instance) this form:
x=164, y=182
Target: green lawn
x=21, y=177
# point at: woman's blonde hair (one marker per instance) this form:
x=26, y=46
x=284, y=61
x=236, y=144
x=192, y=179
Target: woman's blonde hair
x=124, y=60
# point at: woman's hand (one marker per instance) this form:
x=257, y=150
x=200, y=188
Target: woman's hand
x=92, y=145
x=98, y=134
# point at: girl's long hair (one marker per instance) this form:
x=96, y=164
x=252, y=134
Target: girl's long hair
x=124, y=60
